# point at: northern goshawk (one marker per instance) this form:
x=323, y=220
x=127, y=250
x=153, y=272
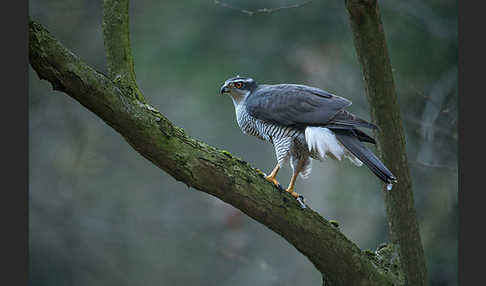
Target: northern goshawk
x=302, y=123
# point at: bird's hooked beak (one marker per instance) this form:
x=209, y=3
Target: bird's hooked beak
x=224, y=89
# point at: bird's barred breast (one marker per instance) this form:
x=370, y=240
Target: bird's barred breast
x=263, y=130
x=275, y=132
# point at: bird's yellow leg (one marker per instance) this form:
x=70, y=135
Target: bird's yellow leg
x=273, y=174
x=290, y=189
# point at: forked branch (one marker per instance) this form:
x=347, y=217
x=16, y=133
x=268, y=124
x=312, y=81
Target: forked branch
x=116, y=36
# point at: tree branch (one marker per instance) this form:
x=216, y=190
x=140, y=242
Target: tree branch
x=116, y=36
x=203, y=167
x=261, y=10
x=369, y=40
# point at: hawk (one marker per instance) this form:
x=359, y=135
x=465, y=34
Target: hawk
x=302, y=123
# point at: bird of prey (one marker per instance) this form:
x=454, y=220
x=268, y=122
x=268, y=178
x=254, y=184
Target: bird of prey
x=302, y=123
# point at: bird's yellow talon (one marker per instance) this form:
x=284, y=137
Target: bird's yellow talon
x=271, y=177
x=272, y=180
x=294, y=194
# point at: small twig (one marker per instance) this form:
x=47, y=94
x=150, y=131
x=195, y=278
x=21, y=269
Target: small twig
x=261, y=10
x=428, y=98
x=429, y=165
x=443, y=131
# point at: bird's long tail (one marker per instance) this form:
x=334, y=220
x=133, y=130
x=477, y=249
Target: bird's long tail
x=358, y=149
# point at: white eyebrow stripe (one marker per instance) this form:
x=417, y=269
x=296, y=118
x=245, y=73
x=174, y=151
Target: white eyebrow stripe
x=242, y=80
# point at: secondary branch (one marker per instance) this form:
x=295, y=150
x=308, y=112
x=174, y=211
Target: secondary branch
x=116, y=36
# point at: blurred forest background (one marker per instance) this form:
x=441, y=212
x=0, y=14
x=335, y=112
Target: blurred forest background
x=100, y=214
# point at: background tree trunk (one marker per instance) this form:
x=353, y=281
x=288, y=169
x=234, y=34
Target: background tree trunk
x=371, y=48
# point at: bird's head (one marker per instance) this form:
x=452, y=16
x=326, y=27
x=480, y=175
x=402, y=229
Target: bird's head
x=238, y=87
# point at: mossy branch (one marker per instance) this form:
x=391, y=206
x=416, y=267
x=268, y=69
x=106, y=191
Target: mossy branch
x=203, y=167
x=116, y=36
x=370, y=43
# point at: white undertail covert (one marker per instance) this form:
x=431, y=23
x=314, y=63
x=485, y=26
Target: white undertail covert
x=324, y=142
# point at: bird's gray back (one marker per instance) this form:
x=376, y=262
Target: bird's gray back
x=292, y=104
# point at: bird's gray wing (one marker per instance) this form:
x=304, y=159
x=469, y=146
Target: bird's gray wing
x=299, y=105
x=346, y=120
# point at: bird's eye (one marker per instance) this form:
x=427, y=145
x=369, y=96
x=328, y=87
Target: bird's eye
x=238, y=84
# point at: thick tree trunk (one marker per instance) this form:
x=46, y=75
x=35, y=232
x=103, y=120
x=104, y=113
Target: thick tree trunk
x=371, y=48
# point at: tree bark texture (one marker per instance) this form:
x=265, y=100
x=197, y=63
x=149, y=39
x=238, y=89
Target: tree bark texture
x=203, y=167
x=116, y=36
x=369, y=40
